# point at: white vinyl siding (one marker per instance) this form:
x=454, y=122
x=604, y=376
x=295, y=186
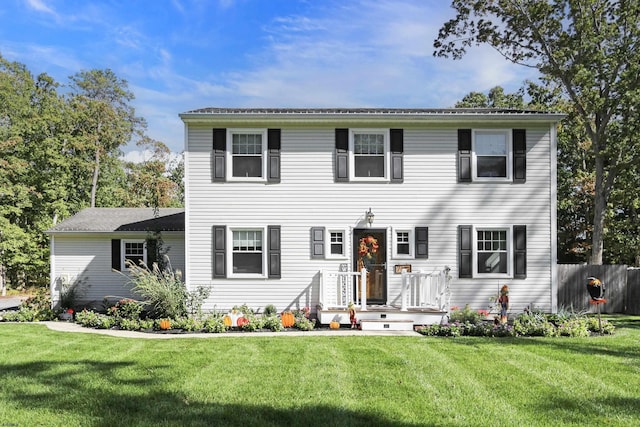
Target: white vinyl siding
x=307, y=196
x=86, y=258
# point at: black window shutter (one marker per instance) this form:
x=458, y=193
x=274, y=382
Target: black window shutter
x=152, y=252
x=274, y=255
x=219, y=251
x=397, y=150
x=341, y=172
x=519, y=137
x=465, y=244
x=422, y=242
x=273, y=155
x=464, y=155
x=317, y=242
x=116, y=255
x=520, y=251
x=218, y=155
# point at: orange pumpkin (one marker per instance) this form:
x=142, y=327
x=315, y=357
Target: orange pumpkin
x=227, y=321
x=334, y=325
x=288, y=320
x=165, y=324
x=242, y=321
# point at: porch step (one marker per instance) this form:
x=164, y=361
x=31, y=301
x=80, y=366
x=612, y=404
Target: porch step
x=386, y=325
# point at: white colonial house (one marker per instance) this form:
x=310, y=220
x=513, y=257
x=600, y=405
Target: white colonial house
x=404, y=212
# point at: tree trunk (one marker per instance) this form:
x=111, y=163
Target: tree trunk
x=94, y=182
x=601, y=197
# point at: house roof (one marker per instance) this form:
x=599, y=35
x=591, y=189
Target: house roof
x=122, y=219
x=366, y=111
x=285, y=115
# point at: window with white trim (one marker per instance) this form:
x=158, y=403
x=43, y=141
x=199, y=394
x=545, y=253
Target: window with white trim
x=134, y=251
x=248, y=154
x=337, y=244
x=247, y=252
x=492, y=155
x=492, y=251
x=369, y=154
x=403, y=241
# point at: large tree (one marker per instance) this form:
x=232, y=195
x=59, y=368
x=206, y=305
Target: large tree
x=589, y=49
x=104, y=118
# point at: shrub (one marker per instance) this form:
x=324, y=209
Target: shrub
x=304, y=324
x=214, y=324
x=533, y=324
x=465, y=315
x=272, y=322
x=573, y=328
x=129, y=324
x=270, y=310
x=91, y=319
x=594, y=326
x=163, y=289
x=126, y=309
x=188, y=324
x=195, y=300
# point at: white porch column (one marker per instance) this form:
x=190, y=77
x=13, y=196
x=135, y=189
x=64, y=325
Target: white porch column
x=363, y=290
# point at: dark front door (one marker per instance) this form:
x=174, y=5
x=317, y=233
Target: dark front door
x=370, y=252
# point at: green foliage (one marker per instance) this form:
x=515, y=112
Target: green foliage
x=302, y=320
x=126, y=309
x=188, y=324
x=585, y=51
x=270, y=310
x=129, y=324
x=195, y=301
x=533, y=324
x=272, y=322
x=34, y=309
x=214, y=324
x=464, y=315
x=91, y=319
x=163, y=290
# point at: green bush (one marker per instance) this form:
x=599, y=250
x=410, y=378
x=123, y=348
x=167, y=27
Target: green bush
x=129, y=324
x=214, y=324
x=270, y=310
x=272, y=322
x=594, y=326
x=163, y=290
x=304, y=324
x=189, y=324
x=465, y=315
x=533, y=324
x=126, y=309
x=91, y=319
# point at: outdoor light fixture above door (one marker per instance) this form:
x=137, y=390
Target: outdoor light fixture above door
x=370, y=217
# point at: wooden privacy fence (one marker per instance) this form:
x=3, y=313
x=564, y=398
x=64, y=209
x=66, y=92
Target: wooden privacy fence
x=622, y=286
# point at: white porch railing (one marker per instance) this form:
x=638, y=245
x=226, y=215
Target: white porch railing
x=337, y=289
x=425, y=290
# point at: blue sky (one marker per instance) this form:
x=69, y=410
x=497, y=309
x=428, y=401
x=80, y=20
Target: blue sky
x=180, y=55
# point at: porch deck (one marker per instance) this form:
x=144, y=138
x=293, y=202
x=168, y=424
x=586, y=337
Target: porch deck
x=424, y=300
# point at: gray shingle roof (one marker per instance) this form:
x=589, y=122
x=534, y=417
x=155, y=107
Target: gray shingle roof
x=367, y=111
x=122, y=219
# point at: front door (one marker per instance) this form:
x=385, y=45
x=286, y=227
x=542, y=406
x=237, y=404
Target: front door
x=370, y=252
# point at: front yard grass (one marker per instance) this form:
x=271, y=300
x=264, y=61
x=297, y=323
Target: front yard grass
x=63, y=379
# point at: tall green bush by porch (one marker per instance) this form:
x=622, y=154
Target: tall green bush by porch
x=163, y=289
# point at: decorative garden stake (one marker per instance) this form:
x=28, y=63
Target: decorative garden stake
x=596, y=292
x=503, y=300
x=352, y=315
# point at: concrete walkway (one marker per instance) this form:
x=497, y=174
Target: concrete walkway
x=74, y=327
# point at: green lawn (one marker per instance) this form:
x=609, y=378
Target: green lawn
x=63, y=379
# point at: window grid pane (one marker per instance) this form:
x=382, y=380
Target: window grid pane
x=368, y=144
x=247, y=144
x=492, y=251
x=247, y=241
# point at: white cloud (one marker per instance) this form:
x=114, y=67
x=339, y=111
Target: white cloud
x=40, y=6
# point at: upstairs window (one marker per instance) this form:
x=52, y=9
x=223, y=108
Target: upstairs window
x=247, y=154
x=369, y=155
x=491, y=154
